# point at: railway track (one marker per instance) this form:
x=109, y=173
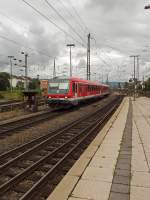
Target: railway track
x=2, y=103
x=8, y=128
x=11, y=105
x=32, y=170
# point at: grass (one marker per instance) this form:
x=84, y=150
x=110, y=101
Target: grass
x=14, y=95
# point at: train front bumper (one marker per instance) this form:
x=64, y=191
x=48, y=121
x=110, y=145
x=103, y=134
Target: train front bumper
x=62, y=101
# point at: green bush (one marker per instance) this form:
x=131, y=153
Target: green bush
x=14, y=95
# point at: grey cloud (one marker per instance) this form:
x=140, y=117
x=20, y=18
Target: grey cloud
x=122, y=25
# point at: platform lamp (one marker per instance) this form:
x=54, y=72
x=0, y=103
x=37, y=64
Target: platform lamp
x=147, y=7
x=70, y=46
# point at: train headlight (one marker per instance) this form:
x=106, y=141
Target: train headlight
x=66, y=97
x=49, y=97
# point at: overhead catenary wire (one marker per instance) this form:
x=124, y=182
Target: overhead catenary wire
x=2, y=55
x=19, y=44
x=110, y=59
x=71, y=14
x=52, y=22
x=104, y=61
x=43, y=53
x=65, y=21
x=12, y=20
x=79, y=17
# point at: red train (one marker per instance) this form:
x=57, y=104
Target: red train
x=71, y=91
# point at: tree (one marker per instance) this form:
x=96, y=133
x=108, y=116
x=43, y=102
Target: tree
x=20, y=85
x=4, y=81
x=126, y=85
x=147, y=85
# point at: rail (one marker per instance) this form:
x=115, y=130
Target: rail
x=31, y=170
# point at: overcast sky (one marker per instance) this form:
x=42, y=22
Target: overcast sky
x=119, y=28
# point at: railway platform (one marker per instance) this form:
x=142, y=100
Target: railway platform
x=116, y=165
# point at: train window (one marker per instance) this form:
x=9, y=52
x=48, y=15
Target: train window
x=54, y=85
x=57, y=87
x=63, y=86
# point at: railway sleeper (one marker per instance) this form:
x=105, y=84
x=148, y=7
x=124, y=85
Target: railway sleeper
x=77, y=139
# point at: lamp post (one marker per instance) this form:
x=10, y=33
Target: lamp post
x=134, y=78
x=10, y=59
x=70, y=45
x=147, y=7
x=137, y=56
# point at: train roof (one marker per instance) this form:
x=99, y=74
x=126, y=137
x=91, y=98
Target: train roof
x=78, y=80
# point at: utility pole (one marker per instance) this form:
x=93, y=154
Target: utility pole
x=107, y=80
x=10, y=59
x=138, y=69
x=54, y=70
x=88, y=58
x=70, y=45
x=26, y=69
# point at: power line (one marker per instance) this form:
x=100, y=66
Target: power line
x=80, y=19
x=107, y=64
x=106, y=55
x=12, y=20
x=55, y=10
x=48, y=19
x=19, y=44
x=71, y=14
x=3, y=55
x=110, y=59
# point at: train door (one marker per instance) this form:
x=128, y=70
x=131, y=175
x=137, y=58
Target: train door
x=76, y=89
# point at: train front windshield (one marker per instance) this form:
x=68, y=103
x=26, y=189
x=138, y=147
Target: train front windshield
x=59, y=87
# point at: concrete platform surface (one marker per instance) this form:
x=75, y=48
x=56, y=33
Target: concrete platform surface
x=116, y=165
x=140, y=165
